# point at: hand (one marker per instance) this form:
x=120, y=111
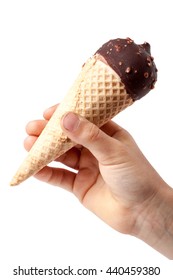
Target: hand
x=113, y=179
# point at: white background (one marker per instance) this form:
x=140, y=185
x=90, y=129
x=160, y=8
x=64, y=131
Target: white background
x=42, y=47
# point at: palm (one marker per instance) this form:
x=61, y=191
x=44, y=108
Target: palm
x=91, y=189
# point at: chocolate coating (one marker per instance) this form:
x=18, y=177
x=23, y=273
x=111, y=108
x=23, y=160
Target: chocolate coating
x=133, y=63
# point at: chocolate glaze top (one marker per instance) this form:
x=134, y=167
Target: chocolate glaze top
x=133, y=63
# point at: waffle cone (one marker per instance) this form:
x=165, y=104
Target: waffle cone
x=97, y=94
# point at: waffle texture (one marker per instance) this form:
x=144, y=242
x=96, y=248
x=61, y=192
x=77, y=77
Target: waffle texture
x=97, y=94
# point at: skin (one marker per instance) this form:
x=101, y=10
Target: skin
x=112, y=178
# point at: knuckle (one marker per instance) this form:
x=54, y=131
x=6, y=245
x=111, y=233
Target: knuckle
x=93, y=133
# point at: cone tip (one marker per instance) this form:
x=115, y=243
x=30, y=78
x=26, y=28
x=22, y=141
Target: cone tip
x=14, y=182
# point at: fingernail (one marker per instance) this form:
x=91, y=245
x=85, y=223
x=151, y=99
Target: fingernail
x=71, y=122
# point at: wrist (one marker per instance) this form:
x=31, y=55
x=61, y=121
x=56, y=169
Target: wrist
x=154, y=222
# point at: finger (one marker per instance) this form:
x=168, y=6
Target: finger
x=29, y=142
x=114, y=130
x=71, y=158
x=57, y=177
x=35, y=127
x=90, y=136
x=111, y=128
x=49, y=112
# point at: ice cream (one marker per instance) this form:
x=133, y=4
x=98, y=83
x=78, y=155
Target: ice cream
x=117, y=75
x=133, y=63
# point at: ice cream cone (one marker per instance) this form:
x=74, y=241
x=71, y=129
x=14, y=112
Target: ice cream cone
x=98, y=94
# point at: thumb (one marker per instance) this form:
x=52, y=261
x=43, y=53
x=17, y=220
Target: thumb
x=83, y=132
